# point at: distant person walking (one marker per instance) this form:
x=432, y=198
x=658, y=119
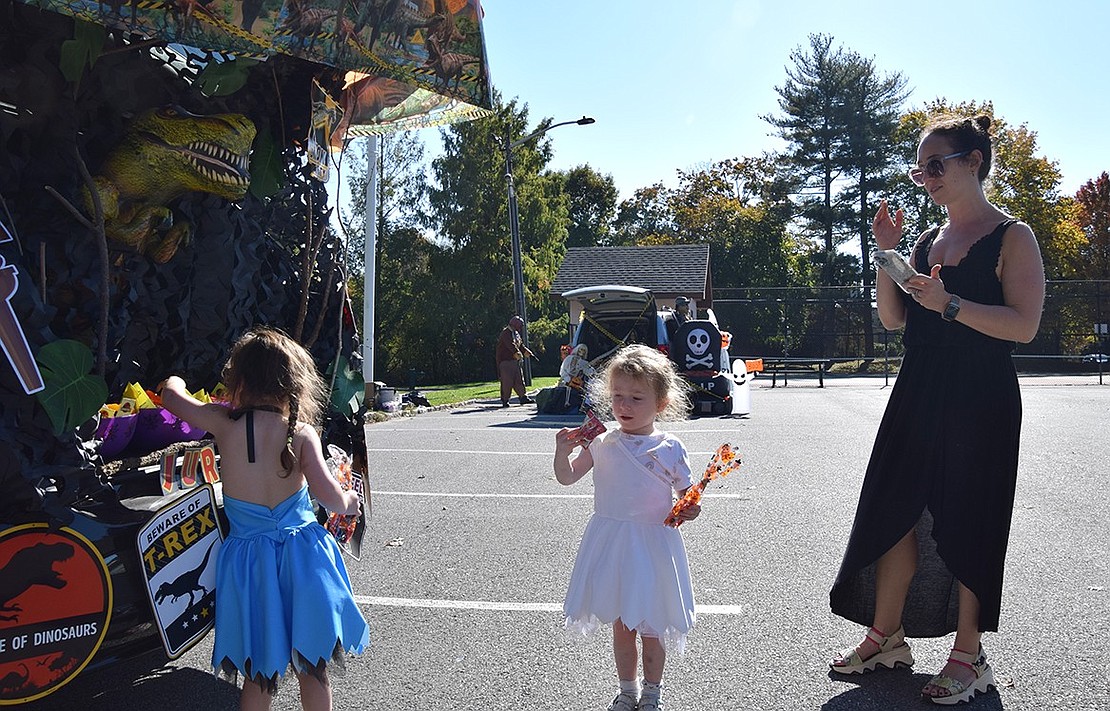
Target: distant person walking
x=510, y=352
x=927, y=549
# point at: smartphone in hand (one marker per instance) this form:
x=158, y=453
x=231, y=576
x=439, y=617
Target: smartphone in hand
x=895, y=265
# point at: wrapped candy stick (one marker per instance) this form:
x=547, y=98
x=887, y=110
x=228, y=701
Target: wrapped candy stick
x=724, y=462
x=347, y=529
x=591, y=427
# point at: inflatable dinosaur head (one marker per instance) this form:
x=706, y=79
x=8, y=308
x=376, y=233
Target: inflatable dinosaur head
x=169, y=151
x=165, y=154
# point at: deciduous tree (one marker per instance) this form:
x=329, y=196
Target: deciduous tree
x=403, y=252
x=593, y=205
x=469, y=212
x=1027, y=186
x=1093, y=217
x=645, y=218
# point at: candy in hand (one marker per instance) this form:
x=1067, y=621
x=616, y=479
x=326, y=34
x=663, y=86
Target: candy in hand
x=342, y=526
x=589, y=429
x=724, y=461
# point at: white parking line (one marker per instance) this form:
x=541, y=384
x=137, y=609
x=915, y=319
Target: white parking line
x=487, y=451
x=505, y=606
x=501, y=495
x=526, y=426
x=459, y=451
x=464, y=495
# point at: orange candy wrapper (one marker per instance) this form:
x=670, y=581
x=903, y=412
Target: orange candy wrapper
x=725, y=461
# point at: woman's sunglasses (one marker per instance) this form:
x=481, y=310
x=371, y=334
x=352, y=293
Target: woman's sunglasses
x=934, y=168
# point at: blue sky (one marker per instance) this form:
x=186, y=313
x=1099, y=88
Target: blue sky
x=678, y=84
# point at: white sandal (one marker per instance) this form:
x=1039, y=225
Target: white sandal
x=958, y=691
x=893, y=651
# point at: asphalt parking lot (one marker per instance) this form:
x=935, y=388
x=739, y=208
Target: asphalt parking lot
x=472, y=540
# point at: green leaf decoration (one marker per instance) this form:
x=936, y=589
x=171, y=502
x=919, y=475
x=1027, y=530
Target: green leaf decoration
x=224, y=78
x=71, y=395
x=349, y=390
x=83, y=50
x=266, y=165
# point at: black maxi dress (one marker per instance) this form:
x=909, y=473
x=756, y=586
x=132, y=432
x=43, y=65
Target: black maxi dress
x=945, y=459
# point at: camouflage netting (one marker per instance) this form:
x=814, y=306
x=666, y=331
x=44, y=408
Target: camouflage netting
x=243, y=265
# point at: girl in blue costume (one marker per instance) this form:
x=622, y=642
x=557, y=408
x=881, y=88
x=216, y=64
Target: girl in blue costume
x=282, y=592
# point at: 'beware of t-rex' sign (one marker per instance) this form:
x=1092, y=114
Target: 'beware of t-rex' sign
x=178, y=549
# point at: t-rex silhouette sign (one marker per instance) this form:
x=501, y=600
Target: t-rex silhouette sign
x=31, y=566
x=185, y=584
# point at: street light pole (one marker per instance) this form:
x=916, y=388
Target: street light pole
x=518, y=267
x=514, y=229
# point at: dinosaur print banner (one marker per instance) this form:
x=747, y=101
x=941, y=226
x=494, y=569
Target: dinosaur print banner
x=377, y=105
x=178, y=548
x=434, y=48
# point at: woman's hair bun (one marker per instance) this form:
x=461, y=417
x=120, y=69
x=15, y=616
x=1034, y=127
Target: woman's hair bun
x=983, y=122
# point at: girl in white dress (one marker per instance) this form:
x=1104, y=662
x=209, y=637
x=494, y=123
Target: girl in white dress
x=631, y=569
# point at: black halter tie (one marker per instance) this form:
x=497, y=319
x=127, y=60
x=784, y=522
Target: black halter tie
x=249, y=412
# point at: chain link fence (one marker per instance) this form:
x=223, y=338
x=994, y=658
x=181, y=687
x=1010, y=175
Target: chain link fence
x=841, y=324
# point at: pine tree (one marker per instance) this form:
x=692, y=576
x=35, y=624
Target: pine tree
x=815, y=122
x=839, y=119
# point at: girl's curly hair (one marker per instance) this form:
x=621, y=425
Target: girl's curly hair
x=643, y=363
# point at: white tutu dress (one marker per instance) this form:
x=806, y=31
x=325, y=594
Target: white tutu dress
x=630, y=566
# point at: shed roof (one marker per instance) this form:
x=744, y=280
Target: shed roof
x=667, y=270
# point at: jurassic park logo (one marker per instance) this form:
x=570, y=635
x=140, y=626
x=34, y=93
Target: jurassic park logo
x=55, y=604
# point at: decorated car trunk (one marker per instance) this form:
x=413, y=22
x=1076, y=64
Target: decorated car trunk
x=699, y=353
x=612, y=316
x=156, y=201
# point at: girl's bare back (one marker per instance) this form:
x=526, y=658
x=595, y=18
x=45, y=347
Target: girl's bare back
x=263, y=481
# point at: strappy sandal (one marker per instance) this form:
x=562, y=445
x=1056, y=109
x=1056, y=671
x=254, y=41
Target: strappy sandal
x=958, y=691
x=623, y=702
x=893, y=651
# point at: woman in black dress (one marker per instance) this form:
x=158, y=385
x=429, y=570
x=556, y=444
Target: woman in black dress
x=927, y=548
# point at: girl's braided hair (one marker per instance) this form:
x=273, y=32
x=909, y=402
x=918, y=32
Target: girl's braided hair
x=267, y=367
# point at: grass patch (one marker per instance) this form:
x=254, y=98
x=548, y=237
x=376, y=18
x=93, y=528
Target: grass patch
x=452, y=394
x=872, y=365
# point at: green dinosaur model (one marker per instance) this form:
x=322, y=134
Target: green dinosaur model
x=166, y=153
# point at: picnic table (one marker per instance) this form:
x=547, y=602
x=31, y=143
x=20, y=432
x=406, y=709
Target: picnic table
x=798, y=366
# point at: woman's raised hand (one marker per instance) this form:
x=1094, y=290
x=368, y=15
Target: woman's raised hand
x=887, y=231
